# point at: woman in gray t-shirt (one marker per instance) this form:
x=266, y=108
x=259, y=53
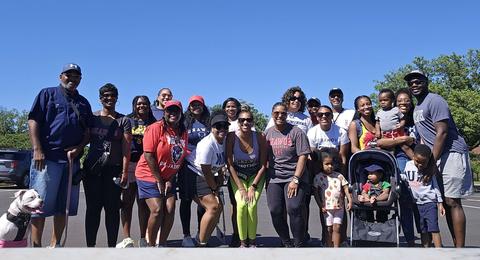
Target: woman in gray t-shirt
x=288, y=149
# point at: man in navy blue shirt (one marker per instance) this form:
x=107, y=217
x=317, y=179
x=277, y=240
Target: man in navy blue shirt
x=58, y=124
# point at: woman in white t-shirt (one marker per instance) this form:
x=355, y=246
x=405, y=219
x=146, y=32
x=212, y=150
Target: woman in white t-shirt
x=328, y=134
x=295, y=101
x=208, y=167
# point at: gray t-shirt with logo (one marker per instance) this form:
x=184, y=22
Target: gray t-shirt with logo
x=284, y=148
x=434, y=109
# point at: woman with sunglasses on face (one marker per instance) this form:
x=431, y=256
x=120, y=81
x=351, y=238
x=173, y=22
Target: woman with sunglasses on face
x=247, y=158
x=209, y=158
x=140, y=118
x=114, y=129
x=288, y=150
x=164, y=148
x=295, y=102
x=164, y=95
x=197, y=122
x=328, y=134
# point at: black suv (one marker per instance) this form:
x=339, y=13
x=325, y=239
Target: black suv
x=15, y=166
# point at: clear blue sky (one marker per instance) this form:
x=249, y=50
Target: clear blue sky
x=252, y=50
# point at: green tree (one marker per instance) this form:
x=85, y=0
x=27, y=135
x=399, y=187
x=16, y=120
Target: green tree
x=454, y=77
x=260, y=119
x=14, y=129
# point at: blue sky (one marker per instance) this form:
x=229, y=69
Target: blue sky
x=252, y=50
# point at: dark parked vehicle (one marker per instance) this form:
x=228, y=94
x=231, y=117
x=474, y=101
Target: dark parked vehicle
x=15, y=166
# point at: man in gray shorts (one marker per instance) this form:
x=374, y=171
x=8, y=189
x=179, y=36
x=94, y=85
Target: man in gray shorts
x=437, y=129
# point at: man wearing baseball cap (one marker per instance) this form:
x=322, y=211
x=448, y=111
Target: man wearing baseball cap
x=438, y=130
x=313, y=104
x=58, y=125
x=341, y=116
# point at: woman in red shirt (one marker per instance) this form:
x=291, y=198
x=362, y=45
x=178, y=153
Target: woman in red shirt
x=164, y=147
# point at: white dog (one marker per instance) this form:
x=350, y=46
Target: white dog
x=14, y=225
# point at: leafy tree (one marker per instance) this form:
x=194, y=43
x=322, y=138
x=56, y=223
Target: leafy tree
x=14, y=129
x=454, y=77
x=260, y=119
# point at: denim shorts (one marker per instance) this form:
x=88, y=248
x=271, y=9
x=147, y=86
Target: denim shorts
x=147, y=190
x=51, y=184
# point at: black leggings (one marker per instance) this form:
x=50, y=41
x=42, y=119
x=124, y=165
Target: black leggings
x=185, y=215
x=278, y=203
x=102, y=192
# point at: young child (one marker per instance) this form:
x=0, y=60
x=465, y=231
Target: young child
x=374, y=190
x=329, y=189
x=421, y=176
x=389, y=120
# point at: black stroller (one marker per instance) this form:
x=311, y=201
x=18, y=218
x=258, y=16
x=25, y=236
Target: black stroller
x=363, y=231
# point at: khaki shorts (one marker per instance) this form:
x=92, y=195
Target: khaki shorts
x=456, y=175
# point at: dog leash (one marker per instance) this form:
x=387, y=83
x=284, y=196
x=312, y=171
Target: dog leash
x=69, y=190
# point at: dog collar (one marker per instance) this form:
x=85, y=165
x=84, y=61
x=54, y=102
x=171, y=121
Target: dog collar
x=21, y=221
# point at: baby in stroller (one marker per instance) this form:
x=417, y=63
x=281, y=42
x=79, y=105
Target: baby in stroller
x=374, y=190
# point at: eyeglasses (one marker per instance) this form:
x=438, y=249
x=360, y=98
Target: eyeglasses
x=243, y=120
x=294, y=98
x=220, y=126
x=326, y=114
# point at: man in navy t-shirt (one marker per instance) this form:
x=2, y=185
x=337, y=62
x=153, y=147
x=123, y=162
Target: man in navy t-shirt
x=58, y=124
x=437, y=129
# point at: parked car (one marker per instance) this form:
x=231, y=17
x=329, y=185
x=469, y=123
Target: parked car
x=15, y=166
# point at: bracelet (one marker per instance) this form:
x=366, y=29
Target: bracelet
x=254, y=186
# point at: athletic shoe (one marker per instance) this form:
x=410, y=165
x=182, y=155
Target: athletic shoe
x=127, y=242
x=188, y=242
x=142, y=242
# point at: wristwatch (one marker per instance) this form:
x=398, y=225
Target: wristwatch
x=254, y=186
x=295, y=180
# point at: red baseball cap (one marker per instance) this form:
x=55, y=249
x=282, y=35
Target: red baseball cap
x=196, y=98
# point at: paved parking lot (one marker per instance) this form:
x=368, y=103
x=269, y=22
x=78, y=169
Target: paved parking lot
x=267, y=236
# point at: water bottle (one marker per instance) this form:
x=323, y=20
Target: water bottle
x=118, y=181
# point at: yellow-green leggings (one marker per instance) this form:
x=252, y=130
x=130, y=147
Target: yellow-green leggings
x=247, y=213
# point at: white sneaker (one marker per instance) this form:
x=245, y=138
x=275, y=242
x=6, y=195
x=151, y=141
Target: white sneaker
x=127, y=242
x=188, y=242
x=142, y=242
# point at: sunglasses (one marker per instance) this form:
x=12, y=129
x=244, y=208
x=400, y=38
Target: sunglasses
x=109, y=95
x=294, y=98
x=72, y=76
x=220, y=126
x=277, y=113
x=416, y=82
x=173, y=110
x=326, y=114
x=243, y=120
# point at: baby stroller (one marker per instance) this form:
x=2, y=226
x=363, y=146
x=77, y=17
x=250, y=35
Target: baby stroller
x=363, y=231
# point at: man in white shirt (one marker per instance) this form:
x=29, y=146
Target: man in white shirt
x=341, y=116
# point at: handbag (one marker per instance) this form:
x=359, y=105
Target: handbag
x=96, y=166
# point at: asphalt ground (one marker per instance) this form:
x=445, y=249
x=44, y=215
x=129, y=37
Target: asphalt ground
x=267, y=236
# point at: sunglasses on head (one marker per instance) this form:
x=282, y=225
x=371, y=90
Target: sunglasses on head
x=321, y=114
x=220, y=126
x=243, y=120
